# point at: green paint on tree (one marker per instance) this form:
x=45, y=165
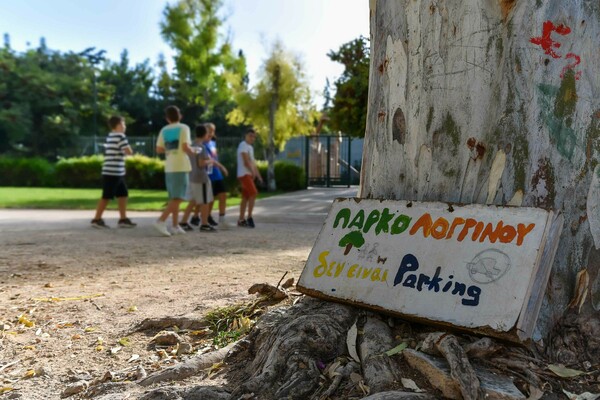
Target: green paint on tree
x=561, y=133
x=566, y=98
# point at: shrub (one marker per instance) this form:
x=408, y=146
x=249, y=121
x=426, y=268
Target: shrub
x=80, y=172
x=288, y=176
x=86, y=172
x=145, y=172
x=26, y=172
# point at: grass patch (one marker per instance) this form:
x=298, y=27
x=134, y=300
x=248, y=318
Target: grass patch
x=86, y=199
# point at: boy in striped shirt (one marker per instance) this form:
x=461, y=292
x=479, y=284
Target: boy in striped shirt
x=113, y=174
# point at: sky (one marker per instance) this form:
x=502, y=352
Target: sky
x=309, y=28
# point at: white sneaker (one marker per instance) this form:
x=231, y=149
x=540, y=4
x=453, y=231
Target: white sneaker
x=223, y=225
x=177, y=230
x=161, y=227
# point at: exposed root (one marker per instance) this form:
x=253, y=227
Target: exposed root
x=169, y=322
x=192, y=366
x=286, y=345
x=198, y=392
x=380, y=371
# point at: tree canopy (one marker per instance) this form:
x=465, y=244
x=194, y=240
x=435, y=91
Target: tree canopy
x=348, y=114
x=205, y=63
x=295, y=114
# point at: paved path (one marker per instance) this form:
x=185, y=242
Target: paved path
x=306, y=206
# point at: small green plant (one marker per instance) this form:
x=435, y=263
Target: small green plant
x=230, y=323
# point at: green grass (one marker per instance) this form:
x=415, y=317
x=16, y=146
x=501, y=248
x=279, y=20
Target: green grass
x=86, y=199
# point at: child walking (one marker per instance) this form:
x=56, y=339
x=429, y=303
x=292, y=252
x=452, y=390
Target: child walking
x=200, y=186
x=113, y=174
x=174, y=141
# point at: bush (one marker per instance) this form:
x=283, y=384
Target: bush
x=26, y=172
x=80, y=172
x=86, y=172
x=145, y=172
x=288, y=176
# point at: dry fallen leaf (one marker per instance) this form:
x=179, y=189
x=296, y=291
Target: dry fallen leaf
x=29, y=374
x=76, y=336
x=29, y=347
x=582, y=396
x=563, y=371
x=410, y=384
x=23, y=320
x=213, y=369
x=5, y=389
x=89, y=329
x=132, y=309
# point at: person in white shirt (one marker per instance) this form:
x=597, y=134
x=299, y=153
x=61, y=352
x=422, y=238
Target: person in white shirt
x=247, y=172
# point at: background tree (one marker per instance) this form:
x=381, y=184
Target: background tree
x=204, y=61
x=279, y=106
x=133, y=94
x=47, y=100
x=348, y=114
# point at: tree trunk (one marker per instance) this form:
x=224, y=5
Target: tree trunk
x=271, y=185
x=494, y=102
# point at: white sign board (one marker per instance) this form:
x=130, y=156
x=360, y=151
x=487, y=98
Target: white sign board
x=469, y=266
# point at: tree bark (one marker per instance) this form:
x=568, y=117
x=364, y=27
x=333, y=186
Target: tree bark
x=287, y=346
x=492, y=102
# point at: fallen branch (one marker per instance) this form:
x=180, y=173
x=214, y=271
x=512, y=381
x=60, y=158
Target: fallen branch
x=268, y=290
x=460, y=367
x=187, y=368
x=10, y=364
x=169, y=322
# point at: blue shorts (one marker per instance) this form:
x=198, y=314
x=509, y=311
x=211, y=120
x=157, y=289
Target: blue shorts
x=177, y=184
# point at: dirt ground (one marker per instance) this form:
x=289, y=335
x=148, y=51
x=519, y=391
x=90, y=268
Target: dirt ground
x=70, y=293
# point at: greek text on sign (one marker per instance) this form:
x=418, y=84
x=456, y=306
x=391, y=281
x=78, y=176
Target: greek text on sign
x=472, y=266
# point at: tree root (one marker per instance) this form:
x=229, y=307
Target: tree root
x=286, y=346
x=187, y=368
x=460, y=368
x=169, y=322
x=379, y=370
x=197, y=392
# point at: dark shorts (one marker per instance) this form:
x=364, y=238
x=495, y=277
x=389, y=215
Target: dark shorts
x=218, y=187
x=113, y=186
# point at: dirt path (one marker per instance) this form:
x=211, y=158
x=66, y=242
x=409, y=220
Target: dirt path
x=112, y=279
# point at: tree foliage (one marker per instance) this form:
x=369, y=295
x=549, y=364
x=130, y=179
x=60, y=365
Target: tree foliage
x=205, y=63
x=348, y=114
x=46, y=99
x=295, y=113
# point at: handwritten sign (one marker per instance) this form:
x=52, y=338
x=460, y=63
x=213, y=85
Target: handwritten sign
x=470, y=266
